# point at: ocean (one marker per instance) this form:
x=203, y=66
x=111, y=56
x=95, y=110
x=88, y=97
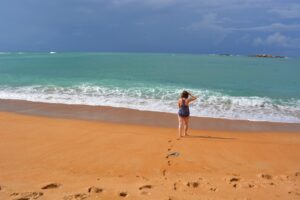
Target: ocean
x=231, y=87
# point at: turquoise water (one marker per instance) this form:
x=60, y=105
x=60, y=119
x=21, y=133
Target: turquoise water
x=235, y=87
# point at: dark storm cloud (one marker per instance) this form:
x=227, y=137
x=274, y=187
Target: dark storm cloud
x=190, y=26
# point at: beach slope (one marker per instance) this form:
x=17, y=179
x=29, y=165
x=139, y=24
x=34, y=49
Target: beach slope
x=52, y=158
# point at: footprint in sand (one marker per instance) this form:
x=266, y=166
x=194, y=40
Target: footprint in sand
x=144, y=193
x=265, y=176
x=173, y=154
x=94, y=189
x=174, y=186
x=78, y=196
x=248, y=185
x=282, y=177
x=145, y=187
x=193, y=184
x=233, y=181
x=51, y=186
x=297, y=174
x=26, y=195
x=164, y=172
x=294, y=193
x=169, y=163
x=123, y=194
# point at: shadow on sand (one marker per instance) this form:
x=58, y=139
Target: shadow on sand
x=209, y=137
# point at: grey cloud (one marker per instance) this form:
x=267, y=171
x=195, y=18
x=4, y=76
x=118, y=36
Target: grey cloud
x=272, y=27
x=277, y=39
x=287, y=11
x=211, y=25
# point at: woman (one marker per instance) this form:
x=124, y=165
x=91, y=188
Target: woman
x=184, y=112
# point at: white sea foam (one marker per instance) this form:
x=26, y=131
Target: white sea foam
x=162, y=99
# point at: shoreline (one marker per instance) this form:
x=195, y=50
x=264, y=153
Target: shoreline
x=138, y=117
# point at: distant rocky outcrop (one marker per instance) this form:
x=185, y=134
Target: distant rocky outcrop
x=225, y=54
x=266, y=56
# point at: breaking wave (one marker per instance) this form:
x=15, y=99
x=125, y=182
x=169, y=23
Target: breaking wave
x=162, y=99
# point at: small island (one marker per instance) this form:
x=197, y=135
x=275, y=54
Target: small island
x=266, y=56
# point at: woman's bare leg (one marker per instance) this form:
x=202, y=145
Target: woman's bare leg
x=186, y=126
x=180, y=126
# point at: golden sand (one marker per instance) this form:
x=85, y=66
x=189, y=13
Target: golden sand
x=51, y=158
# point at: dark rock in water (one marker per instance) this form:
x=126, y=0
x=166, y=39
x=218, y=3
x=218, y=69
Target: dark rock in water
x=279, y=56
x=51, y=186
x=95, y=190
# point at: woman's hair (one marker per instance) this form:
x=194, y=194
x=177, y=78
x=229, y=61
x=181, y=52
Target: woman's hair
x=184, y=94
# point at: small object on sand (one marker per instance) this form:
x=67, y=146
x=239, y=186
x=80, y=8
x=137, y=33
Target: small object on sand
x=94, y=189
x=51, y=186
x=265, y=176
x=175, y=154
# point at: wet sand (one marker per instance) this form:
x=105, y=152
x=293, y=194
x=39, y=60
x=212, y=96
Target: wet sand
x=130, y=116
x=60, y=157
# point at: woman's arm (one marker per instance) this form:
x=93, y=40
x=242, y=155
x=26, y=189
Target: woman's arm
x=179, y=103
x=192, y=97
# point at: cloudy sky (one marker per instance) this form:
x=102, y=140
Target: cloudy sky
x=177, y=26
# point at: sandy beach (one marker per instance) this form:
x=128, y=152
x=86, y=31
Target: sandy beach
x=57, y=158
